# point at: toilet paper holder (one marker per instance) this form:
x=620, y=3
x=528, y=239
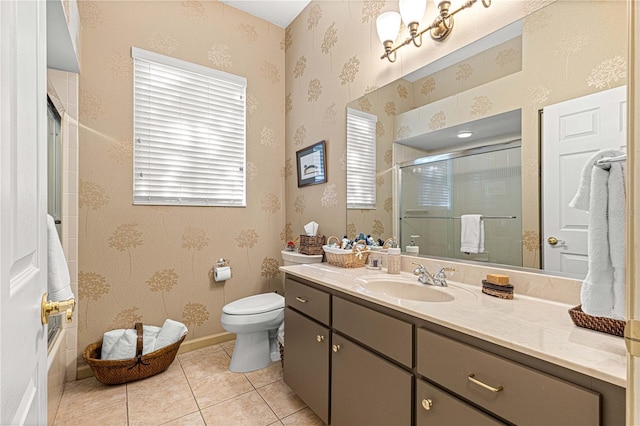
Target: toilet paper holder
x=222, y=262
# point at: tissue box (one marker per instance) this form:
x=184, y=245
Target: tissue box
x=311, y=245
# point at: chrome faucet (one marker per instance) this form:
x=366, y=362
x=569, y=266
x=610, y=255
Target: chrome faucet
x=425, y=277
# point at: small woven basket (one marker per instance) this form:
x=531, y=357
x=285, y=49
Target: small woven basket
x=354, y=258
x=116, y=372
x=602, y=324
x=311, y=244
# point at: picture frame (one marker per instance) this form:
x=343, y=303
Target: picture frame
x=312, y=164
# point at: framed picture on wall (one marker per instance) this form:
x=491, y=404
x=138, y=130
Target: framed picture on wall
x=312, y=165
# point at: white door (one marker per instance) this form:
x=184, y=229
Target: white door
x=23, y=255
x=572, y=132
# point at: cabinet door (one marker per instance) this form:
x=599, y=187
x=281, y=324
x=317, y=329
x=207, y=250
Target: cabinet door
x=306, y=361
x=437, y=407
x=366, y=389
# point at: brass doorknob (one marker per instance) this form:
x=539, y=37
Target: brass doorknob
x=552, y=241
x=427, y=404
x=48, y=308
x=319, y=338
x=335, y=348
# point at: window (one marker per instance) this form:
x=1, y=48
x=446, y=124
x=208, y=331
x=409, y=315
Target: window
x=189, y=133
x=361, y=160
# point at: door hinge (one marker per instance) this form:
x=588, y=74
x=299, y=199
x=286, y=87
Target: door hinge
x=632, y=337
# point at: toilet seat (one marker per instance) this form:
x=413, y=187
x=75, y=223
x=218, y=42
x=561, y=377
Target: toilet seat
x=256, y=304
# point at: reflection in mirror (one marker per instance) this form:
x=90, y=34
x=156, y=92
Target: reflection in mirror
x=562, y=51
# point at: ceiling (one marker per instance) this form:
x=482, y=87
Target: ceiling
x=279, y=12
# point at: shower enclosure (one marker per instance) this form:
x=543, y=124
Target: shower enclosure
x=435, y=191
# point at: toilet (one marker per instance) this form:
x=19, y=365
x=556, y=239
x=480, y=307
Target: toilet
x=295, y=258
x=255, y=321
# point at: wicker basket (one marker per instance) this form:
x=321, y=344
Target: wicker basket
x=602, y=324
x=354, y=258
x=311, y=244
x=115, y=372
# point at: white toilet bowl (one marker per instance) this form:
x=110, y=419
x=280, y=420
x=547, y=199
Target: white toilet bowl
x=255, y=321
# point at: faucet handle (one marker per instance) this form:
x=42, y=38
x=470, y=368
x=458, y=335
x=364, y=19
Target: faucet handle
x=442, y=271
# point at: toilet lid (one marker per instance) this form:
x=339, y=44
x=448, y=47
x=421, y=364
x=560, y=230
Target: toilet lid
x=256, y=304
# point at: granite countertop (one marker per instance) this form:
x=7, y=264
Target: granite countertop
x=530, y=325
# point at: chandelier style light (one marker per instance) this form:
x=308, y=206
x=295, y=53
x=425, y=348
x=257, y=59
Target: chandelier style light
x=411, y=13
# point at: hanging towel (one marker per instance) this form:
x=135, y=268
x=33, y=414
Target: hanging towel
x=58, y=279
x=471, y=233
x=601, y=192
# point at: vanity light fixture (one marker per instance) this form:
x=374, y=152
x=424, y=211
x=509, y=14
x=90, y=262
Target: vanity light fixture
x=411, y=13
x=465, y=134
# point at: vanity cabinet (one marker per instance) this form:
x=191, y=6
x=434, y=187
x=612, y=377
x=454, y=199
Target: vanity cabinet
x=355, y=362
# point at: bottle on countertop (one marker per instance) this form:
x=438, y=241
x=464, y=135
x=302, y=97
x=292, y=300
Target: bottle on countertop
x=393, y=259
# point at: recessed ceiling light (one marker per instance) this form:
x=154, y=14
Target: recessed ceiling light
x=465, y=134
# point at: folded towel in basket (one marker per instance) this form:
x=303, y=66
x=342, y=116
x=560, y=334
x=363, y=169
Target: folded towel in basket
x=170, y=333
x=121, y=344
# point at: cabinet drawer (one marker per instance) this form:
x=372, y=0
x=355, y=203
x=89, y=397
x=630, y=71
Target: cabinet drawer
x=381, y=332
x=441, y=408
x=520, y=394
x=308, y=300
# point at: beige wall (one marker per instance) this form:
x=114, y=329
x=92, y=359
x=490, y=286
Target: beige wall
x=568, y=50
x=149, y=263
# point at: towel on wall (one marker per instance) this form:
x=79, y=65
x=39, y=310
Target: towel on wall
x=471, y=233
x=58, y=278
x=601, y=193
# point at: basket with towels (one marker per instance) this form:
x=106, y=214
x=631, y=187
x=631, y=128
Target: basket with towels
x=124, y=356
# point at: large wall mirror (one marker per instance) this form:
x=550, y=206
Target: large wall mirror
x=499, y=85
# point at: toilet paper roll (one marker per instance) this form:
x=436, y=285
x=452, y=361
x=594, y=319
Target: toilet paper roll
x=222, y=273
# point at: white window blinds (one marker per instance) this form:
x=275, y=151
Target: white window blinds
x=189, y=133
x=361, y=159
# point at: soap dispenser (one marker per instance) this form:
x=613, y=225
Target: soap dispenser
x=412, y=248
x=394, y=259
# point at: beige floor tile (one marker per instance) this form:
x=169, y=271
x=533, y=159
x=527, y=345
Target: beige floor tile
x=193, y=419
x=219, y=387
x=205, y=364
x=265, y=376
x=244, y=410
x=154, y=405
x=199, y=352
x=281, y=399
x=113, y=416
x=88, y=396
x=228, y=344
x=278, y=423
x=168, y=379
x=229, y=348
x=304, y=417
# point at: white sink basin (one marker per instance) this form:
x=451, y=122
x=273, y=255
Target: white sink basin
x=404, y=289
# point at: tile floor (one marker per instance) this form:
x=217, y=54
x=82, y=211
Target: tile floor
x=197, y=389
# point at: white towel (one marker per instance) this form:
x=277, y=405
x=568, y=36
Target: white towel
x=170, y=332
x=602, y=292
x=471, y=233
x=281, y=334
x=58, y=279
x=122, y=344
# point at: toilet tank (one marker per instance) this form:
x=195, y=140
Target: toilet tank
x=294, y=258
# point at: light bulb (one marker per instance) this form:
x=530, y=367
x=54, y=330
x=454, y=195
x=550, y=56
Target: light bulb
x=412, y=11
x=388, y=25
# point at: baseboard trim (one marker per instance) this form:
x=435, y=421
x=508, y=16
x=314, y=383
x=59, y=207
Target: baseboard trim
x=84, y=371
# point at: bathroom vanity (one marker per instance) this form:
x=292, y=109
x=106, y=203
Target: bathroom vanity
x=357, y=354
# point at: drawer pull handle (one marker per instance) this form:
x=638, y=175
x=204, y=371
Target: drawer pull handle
x=427, y=404
x=301, y=299
x=483, y=385
x=319, y=338
x=335, y=348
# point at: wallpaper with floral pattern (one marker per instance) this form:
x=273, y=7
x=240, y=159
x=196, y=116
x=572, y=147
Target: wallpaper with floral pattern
x=149, y=263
